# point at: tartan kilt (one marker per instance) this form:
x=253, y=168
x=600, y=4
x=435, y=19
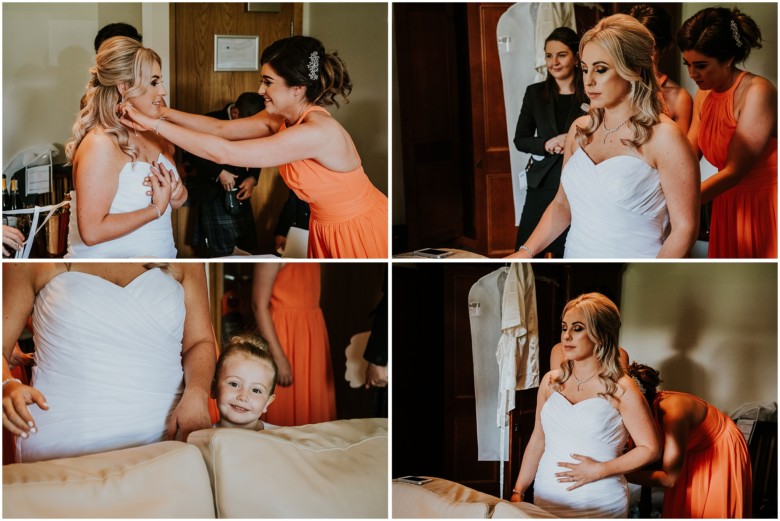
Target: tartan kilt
x=218, y=232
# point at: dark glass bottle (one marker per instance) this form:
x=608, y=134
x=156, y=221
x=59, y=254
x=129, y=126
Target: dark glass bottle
x=6, y=197
x=16, y=197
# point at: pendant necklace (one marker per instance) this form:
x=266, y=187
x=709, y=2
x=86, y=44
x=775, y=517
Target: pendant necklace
x=580, y=383
x=611, y=130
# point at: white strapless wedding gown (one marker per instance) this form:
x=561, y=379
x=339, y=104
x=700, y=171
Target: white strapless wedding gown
x=154, y=239
x=591, y=428
x=108, y=361
x=618, y=209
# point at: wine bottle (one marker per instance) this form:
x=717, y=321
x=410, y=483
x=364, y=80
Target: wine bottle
x=6, y=197
x=16, y=198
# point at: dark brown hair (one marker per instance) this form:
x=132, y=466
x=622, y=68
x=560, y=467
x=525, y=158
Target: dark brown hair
x=720, y=33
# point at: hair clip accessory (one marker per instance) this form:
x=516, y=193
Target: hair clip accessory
x=641, y=387
x=314, y=65
x=735, y=33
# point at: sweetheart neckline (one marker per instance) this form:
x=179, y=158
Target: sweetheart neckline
x=585, y=400
x=592, y=162
x=92, y=275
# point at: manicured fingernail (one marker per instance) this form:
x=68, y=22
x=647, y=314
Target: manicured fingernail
x=24, y=435
x=31, y=424
x=34, y=430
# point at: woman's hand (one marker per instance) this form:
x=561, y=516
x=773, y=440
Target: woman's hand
x=134, y=119
x=587, y=471
x=516, y=497
x=519, y=254
x=556, y=144
x=245, y=188
x=161, y=180
x=16, y=415
x=284, y=371
x=191, y=414
x=13, y=240
x=20, y=358
x=376, y=376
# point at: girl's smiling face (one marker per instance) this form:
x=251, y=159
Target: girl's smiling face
x=244, y=390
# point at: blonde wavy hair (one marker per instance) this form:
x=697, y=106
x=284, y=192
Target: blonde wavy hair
x=630, y=45
x=119, y=61
x=602, y=324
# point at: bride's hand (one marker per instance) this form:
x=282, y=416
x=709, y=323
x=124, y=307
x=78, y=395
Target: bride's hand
x=162, y=186
x=587, y=471
x=191, y=414
x=134, y=119
x=16, y=415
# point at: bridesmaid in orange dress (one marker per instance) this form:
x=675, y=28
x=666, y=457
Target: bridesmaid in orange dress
x=315, y=154
x=286, y=302
x=735, y=127
x=706, y=468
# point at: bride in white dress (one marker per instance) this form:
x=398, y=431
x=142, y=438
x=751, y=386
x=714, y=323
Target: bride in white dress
x=630, y=182
x=116, y=215
x=584, y=415
x=124, y=356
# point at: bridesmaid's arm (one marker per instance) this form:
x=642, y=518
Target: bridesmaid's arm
x=756, y=125
x=258, y=125
x=198, y=355
x=693, y=131
x=262, y=287
x=21, y=281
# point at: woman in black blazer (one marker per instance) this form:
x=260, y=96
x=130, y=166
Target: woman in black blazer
x=549, y=109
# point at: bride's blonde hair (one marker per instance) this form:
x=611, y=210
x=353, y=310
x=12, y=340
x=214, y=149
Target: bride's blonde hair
x=602, y=323
x=120, y=61
x=630, y=45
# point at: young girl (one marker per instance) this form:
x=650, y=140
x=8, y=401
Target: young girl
x=244, y=382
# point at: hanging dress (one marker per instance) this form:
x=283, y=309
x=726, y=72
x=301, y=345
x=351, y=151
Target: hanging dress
x=744, y=217
x=348, y=213
x=300, y=327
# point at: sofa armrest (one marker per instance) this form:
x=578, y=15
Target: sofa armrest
x=161, y=480
x=332, y=469
x=440, y=498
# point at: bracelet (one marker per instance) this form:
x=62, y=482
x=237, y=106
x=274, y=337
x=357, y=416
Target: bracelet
x=526, y=248
x=157, y=126
x=156, y=209
x=11, y=380
x=522, y=494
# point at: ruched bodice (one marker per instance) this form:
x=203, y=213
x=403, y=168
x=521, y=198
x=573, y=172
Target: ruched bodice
x=348, y=213
x=154, y=239
x=108, y=361
x=591, y=428
x=618, y=209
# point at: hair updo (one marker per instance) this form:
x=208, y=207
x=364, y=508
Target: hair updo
x=647, y=379
x=720, y=33
x=120, y=61
x=302, y=61
x=657, y=21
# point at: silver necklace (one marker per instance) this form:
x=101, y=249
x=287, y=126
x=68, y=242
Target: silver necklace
x=580, y=383
x=611, y=130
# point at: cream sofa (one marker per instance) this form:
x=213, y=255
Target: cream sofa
x=329, y=470
x=443, y=499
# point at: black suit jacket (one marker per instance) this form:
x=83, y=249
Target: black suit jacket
x=537, y=124
x=206, y=184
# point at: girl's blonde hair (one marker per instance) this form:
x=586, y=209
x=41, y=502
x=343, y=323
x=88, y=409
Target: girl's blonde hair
x=630, y=45
x=120, y=61
x=602, y=323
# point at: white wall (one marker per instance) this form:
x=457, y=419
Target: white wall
x=359, y=32
x=709, y=328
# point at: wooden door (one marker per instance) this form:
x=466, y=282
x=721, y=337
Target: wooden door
x=431, y=75
x=195, y=87
x=493, y=202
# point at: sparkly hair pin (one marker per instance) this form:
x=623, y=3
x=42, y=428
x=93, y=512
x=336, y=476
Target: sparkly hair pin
x=735, y=33
x=641, y=387
x=314, y=65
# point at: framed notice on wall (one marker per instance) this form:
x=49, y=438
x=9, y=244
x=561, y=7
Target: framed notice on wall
x=236, y=53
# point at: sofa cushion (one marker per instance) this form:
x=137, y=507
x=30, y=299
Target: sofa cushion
x=166, y=479
x=332, y=469
x=441, y=498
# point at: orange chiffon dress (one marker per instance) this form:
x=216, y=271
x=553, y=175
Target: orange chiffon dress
x=300, y=327
x=348, y=213
x=716, y=478
x=744, y=217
